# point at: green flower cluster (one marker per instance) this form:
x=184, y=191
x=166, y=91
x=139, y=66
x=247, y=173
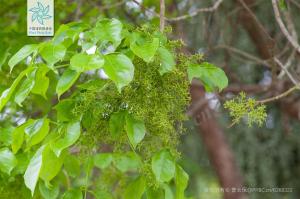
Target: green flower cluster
x=243, y=107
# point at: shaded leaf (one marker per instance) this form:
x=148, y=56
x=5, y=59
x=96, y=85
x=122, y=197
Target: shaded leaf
x=73, y=194
x=48, y=193
x=103, y=160
x=135, y=129
x=116, y=123
x=65, y=82
x=135, y=189
x=71, y=136
x=8, y=160
x=163, y=166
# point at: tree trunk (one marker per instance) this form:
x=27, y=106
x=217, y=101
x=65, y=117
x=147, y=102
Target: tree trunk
x=219, y=152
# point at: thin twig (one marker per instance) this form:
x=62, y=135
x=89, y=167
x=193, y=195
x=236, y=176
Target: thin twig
x=196, y=12
x=282, y=27
x=295, y=3
x=242, y=53
x=286, y=71
x=186, y=16
x=284, y=94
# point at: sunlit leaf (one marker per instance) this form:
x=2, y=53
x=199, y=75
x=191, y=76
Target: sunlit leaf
x=53, y=53
x=24, y=52
x=167, y=60
x=32, y=172
x=119, y=69
x=25, y=88
x=181, y=182
x=211, y=76
x=146, y=49
x=83, y=62
x=37, y=131
x=6, y=94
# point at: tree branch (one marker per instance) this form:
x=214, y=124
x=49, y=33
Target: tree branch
x=282, y=95
x=196, y=12
x=282, y=27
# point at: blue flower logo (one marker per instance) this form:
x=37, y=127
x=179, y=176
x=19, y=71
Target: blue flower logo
x=40, y=13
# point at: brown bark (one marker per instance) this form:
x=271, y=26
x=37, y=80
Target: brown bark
x=219, y=151
x=263, y=42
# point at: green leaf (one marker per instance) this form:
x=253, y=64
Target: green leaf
x=94, y=84
x=37, y=131
x=146, y=50
x=6, y=95
x=68, y=78
x=83, y=62
x=167, y=60
x=135, y=189
x=126, y=162
x=72, y=135
x=163, y=166
x=135, y=129
x=102, y=194
x=48, y=193
x=64, y=110
x=41, y=81
x=211, y=76
x=18, y=136
x=168, y=192
x=25, y=88
x=4, y=54
x=153, y=193
x=109, y=30
x=67, y=34
x=181, y=182
x=72, y=165
x=21, y=54
x=73, y=194
x=8, y=160
x=52, y=53
x=32, y=172
x=282, y=4
x=119, y=69
x=51, y=164
x=103, y=160
x=116, y=124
